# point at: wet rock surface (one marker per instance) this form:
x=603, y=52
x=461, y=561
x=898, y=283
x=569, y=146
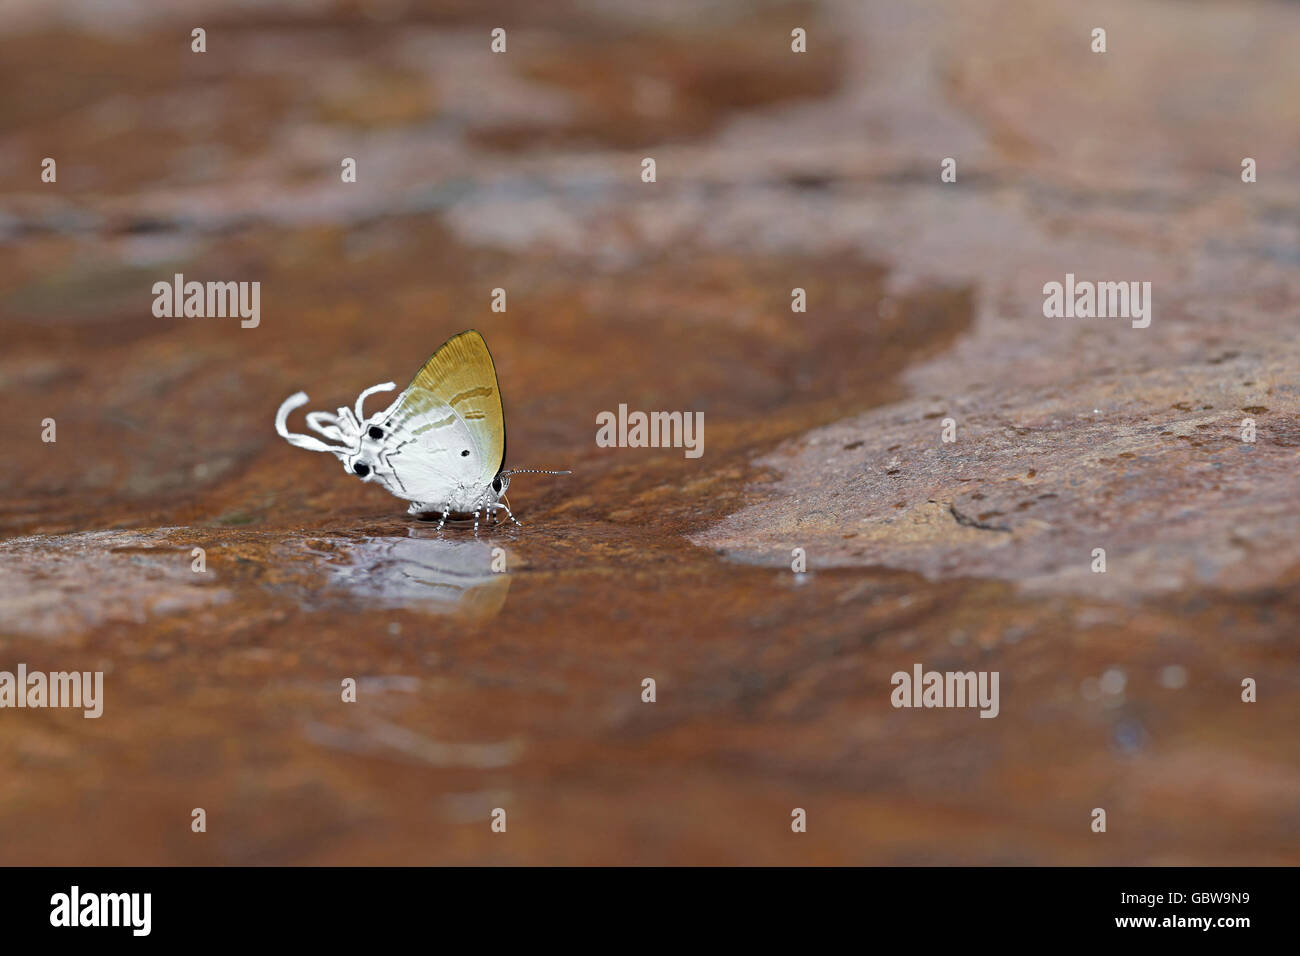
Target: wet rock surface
x=1159, y=477
x=823, y=432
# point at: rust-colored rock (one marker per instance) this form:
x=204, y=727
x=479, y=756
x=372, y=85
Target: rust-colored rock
x=479, y=689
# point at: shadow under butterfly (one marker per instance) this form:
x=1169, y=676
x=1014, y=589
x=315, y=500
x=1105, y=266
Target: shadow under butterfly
x=440, y=445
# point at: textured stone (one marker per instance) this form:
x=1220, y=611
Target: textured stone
x=822, y=430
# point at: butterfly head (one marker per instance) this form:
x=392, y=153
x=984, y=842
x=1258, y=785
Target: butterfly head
x=490, y=499
x=502, y=481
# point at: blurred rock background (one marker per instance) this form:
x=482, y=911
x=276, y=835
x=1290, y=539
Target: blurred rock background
x=775, y=170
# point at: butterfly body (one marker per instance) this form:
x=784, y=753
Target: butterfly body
x=440, y=445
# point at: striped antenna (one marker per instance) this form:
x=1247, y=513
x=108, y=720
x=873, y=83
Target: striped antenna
x=531, y=471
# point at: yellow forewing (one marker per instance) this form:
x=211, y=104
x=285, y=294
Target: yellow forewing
x=461, y=375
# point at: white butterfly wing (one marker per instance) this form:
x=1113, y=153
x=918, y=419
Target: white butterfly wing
x=428, y=455
x=445, y=434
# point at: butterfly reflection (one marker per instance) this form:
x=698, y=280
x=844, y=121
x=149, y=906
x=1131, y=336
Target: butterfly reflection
x=434, y=575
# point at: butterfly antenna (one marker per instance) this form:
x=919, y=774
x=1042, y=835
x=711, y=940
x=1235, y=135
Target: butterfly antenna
x=532, y=471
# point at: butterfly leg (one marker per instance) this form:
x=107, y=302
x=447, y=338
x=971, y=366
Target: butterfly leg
x=445, y=511
x=506, y=508
x=477, y=511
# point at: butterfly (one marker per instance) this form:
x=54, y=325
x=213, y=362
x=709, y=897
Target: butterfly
x=440, y=445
